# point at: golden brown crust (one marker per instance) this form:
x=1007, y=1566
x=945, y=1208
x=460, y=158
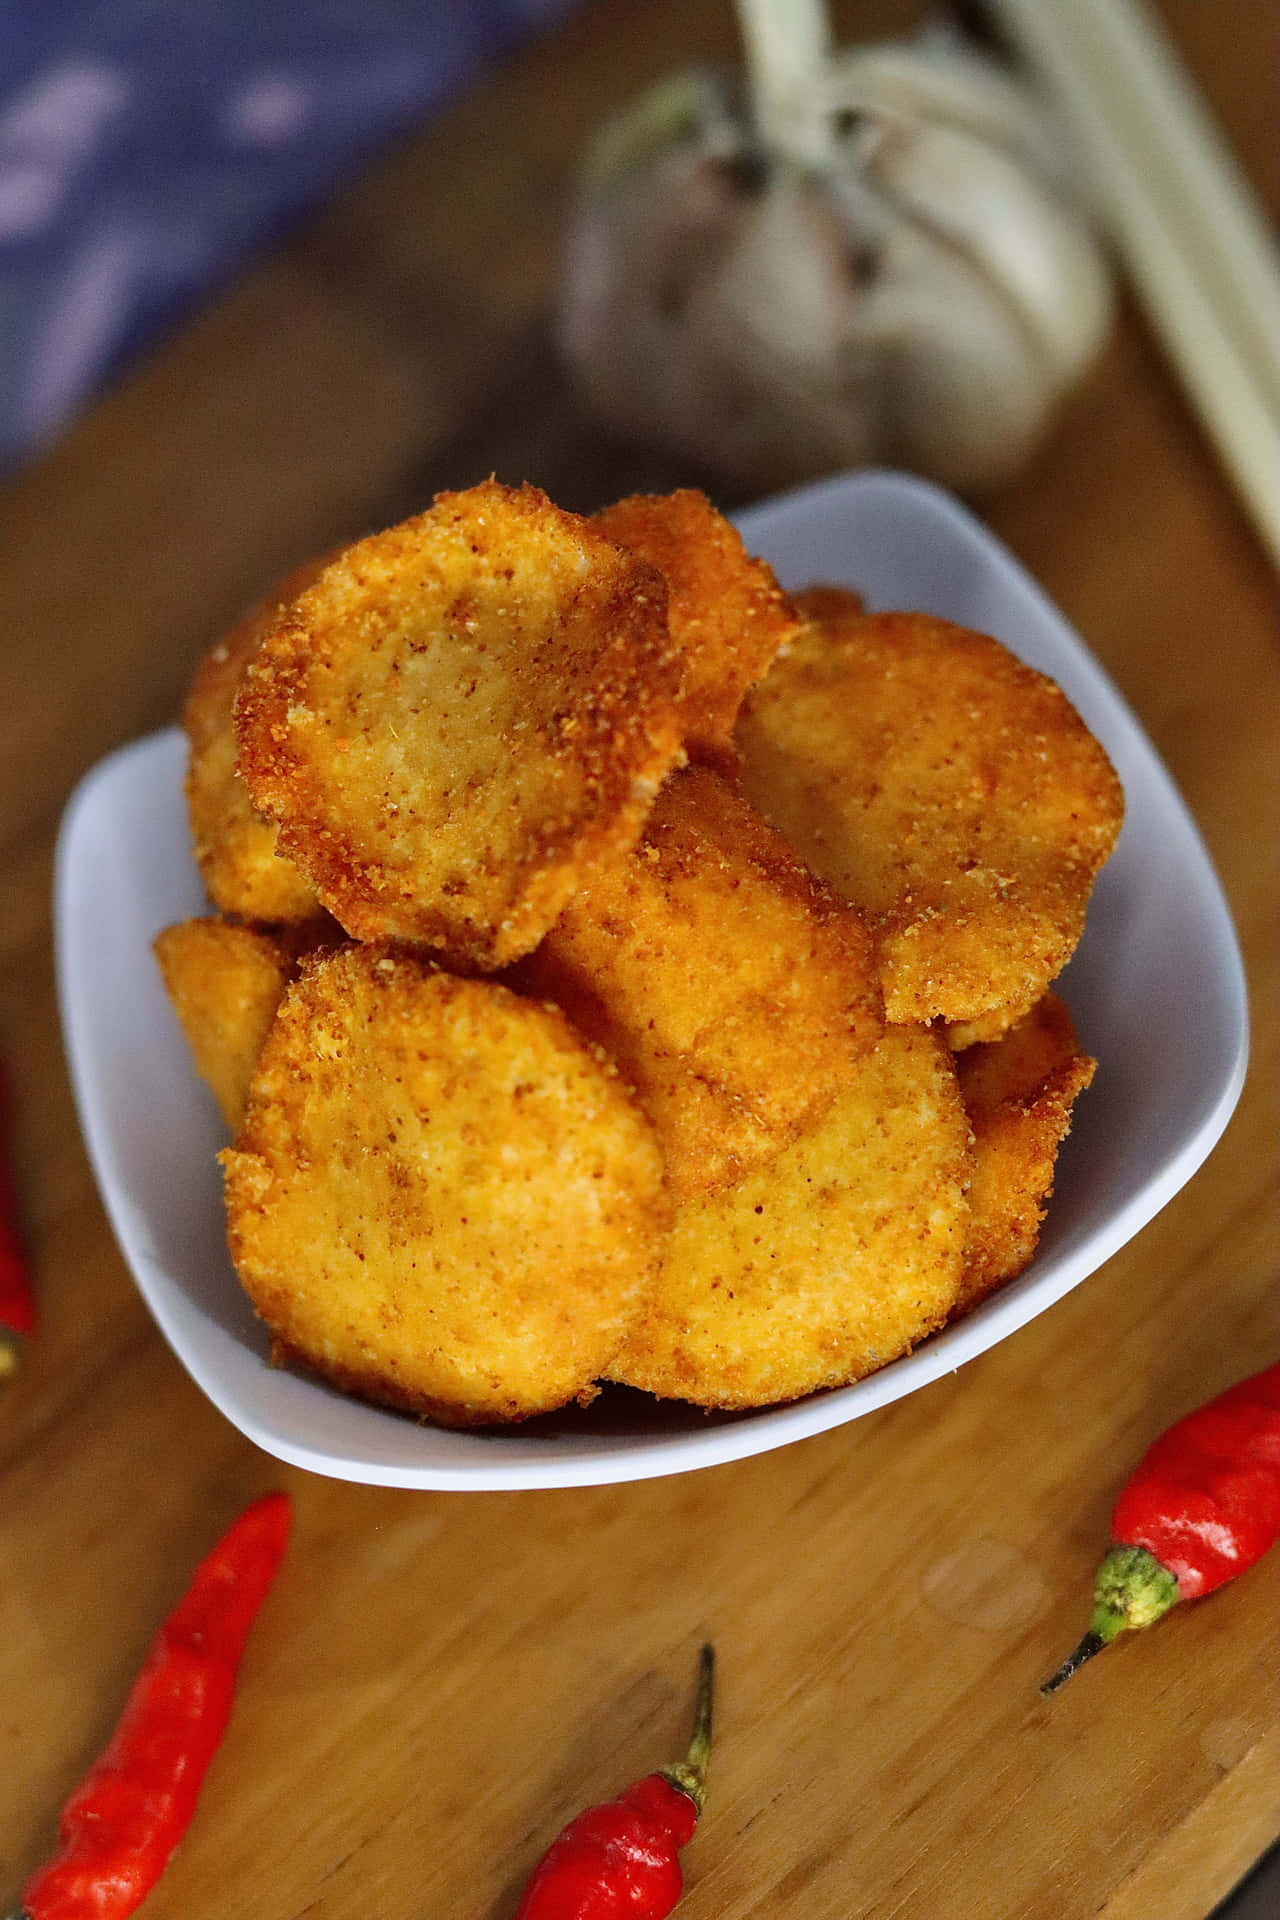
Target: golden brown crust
x=461, y=718
x=235, y=845
x=960, y=1034
x=950, y=791
x=441, y=1199
x=726, y=610
x=676, y=1144
x=730, y=985
x=1018, y=1092
x=825, y=605
x=224, y=983
x=836, y=1258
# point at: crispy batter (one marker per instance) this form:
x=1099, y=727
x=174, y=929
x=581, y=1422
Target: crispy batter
x=731, y=987
x=822, y=603
x=441, y=1199
x=709, y=1170
x=950, y=791
x=225, y=983
x=235, y=845
x=726, y=610
x=960, y=1034
x=461, y=717
x=830, y=1262
x=1018, y=1093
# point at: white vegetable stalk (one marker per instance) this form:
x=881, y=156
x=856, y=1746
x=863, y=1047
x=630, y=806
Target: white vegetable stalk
x=788, y=47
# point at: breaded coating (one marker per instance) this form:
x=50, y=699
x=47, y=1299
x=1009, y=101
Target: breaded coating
x=235, y=845
x=1018, y=1093
x=461, y=718
x=960, y=1034
x=821, y=602
x=731, y=987
x=225, y=983
x=830, y=1262
x=441, y=1199
x=944, y=787
x=725, y=608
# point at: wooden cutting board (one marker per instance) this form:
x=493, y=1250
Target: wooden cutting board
x=439, y=1680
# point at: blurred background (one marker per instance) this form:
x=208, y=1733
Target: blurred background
x=149, y=148
x=352, y=226
x=872, y=233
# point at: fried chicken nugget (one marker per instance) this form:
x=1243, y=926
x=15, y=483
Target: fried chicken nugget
x=988, y=1026
x=235, y=845
x=461, y=718
x=730, y=986
x=225, y=983
x=441, y=1199
x=1018, y=1093
x=838, y=1257
x=725, y=608
x=947, y=789
x=822, y=602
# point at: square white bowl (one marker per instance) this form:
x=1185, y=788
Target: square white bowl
x=1159, y=957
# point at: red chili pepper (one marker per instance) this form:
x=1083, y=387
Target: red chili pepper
x=17, y=1301
x=1202, y=1505
x=618, y=1861
x=123, y=1821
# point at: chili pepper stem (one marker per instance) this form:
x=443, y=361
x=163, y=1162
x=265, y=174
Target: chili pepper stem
x=690, y=1774
x=1089, y=1644
x=1132, y=1590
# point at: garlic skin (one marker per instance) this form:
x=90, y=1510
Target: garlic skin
x=921, y=295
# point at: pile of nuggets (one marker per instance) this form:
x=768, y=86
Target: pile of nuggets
x=623, y=971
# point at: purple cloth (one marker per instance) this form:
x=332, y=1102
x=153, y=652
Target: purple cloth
x=149, y=147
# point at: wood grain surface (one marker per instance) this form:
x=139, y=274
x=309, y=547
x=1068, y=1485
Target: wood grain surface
x=439, y=1680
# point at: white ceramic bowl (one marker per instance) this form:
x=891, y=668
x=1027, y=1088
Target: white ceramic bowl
x=1158, y=959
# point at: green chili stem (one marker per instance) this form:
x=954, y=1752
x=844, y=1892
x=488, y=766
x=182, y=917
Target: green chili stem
x=690, y=1774
x=1132, y=1590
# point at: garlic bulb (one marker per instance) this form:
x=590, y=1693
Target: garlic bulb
x=888, y=267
